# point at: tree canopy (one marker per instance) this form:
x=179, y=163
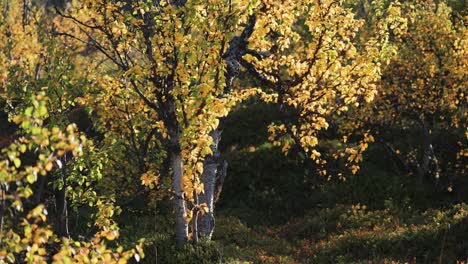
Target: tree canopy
x=120, y=109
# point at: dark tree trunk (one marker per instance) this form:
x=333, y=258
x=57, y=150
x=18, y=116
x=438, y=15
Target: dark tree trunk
x=40, y=190
x=62, y=213
x=428, y=164
x=61, y=207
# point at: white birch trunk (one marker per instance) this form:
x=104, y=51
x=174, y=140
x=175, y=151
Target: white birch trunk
x=181, y=228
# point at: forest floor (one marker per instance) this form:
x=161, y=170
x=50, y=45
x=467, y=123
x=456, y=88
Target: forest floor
x=342, y=234
x=375, y=218
x=270, y=211
x=350, y=234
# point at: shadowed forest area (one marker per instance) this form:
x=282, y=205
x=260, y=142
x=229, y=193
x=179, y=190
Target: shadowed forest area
x=190, y=131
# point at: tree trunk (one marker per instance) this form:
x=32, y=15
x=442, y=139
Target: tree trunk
x=40, y=190
x=196, y=211
x=181, y=228
x=423, y=164
x=61, y=211
x=210, y=170
x=211, y=178
x=2, y=208
x=61, y=204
